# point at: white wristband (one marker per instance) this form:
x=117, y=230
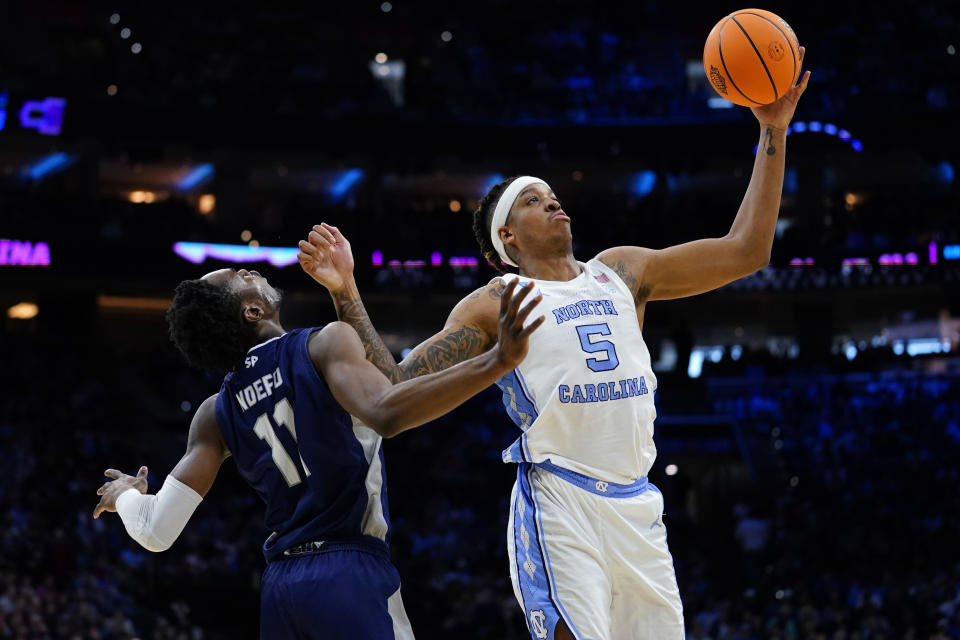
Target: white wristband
x=155, y=521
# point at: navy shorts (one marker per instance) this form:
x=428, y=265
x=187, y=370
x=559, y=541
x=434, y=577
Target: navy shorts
x=345, y=593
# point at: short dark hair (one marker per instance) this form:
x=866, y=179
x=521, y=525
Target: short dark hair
x=206, y=325
x=483, y=221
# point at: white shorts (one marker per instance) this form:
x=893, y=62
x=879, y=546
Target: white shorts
x=593, y=554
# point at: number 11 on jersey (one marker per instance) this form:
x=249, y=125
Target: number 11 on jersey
x=282, y=416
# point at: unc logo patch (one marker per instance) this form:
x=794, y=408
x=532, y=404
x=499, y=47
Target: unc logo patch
x=717, y=79
x=538, y=623
x=602, y=486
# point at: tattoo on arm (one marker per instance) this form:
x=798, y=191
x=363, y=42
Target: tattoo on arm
x=496, y=292
x=352, y=311
x=768, y=143
x=444, y=351
x=639, y=292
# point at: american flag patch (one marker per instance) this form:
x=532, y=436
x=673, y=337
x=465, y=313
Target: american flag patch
x=602, y=278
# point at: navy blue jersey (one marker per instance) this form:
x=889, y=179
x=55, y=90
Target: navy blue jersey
x=322, y=478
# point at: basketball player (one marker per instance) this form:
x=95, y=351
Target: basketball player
x=284, y=413
x=586, y=538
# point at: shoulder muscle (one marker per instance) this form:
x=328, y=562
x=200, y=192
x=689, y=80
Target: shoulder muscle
x=629, y=263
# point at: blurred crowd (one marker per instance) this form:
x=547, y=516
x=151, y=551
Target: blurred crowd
x=498, y=62
x=844, y=527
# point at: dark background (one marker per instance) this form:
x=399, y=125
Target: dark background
x=810, y=412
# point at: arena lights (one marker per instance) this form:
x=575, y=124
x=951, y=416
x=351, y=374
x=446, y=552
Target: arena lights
x=951, y=252
x=697, y=357
x=197, y=252
x=802, y=262
x=830, y=129
x=344, y=182
x=898, y=258
x=206, y=203
x=643, y=183
x=436, y=260
x=45, y=116
x=201, y=174
x=142, y=197
x=945, y=172
x=909, y=258
x=23, y=311
x=21, y=253
x=48, y=165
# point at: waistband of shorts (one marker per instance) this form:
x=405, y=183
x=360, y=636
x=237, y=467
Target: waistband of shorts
x=598, y=487
x=366, y=544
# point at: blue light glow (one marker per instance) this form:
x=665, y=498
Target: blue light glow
x=924, y=346
x=199, y=175
x=945, y=172
x=644, y=182
x=48, y=165
x=790, y=182
x=197, y=252
x=717, y=102
x=828, y=128
x=699, y=355
x=491, y=182
x=342, y=185
x=951, y=252
x=45, y=116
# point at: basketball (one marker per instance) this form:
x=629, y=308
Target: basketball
x=751, y=57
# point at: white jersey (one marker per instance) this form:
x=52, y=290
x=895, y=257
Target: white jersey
x=584, y=394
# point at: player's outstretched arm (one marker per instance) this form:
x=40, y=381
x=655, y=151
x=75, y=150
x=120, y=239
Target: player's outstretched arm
x=389, y=409
x=155, y=521
x=469, y=331
x=703, y=265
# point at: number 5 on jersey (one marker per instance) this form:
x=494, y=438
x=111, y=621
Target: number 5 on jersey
x=282, y=416
x=586, y=332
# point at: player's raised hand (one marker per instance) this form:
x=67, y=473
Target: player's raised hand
x=326, y=257
x=514, y=338
x=779, y=114
x=111, y=490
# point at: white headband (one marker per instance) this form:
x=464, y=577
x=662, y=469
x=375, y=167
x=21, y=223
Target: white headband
x=502, y=210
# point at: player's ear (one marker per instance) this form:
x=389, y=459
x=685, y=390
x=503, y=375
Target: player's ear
x=253, y=312
x=506, y=235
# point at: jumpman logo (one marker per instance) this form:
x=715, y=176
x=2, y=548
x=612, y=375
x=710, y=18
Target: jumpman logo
x=658, y=522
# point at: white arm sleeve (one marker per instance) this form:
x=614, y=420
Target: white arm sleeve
x=156, y=521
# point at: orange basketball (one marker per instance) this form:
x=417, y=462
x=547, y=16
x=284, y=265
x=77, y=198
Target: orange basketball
x=752, y=57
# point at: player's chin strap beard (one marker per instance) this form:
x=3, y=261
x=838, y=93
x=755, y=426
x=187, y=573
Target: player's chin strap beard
x=502, y=210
